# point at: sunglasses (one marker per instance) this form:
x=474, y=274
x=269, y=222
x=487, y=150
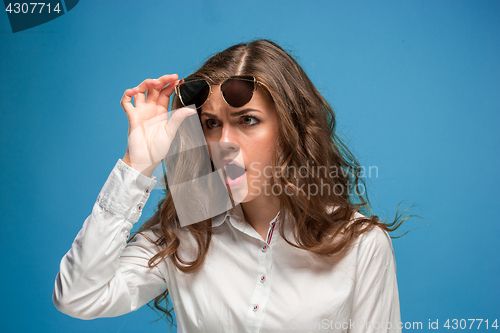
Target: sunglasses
x=236, y=90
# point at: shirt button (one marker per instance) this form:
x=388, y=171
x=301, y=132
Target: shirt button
x=255, y=307
x=263, y=278
x=139, y=207
x=264, y=248
x=147, y=191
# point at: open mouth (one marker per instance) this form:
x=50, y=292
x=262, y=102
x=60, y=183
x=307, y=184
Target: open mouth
x=234, y=171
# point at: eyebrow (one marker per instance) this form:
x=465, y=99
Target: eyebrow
x=234, y=114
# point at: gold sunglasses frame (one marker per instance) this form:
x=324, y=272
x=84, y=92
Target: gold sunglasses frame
x=237, y=77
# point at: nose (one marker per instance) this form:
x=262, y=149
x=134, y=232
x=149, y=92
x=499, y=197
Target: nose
x=227, y=140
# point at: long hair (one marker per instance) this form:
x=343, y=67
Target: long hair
x=323, y=223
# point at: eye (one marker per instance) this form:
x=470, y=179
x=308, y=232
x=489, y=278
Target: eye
x=249, y=120
x=211, y=123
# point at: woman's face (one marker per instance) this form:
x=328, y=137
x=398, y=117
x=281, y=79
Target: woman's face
x=242, y=142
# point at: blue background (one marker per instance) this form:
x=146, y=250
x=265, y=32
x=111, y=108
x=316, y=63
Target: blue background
x=416, y=88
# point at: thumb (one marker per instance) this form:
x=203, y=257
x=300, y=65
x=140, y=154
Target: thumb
x=176, y=119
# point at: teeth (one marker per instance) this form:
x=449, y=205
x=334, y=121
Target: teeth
x=234, y=171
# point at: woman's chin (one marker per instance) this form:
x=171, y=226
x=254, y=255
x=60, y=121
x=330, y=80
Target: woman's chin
x=239, y=193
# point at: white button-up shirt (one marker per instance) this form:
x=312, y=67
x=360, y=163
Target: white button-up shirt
x=247, y=284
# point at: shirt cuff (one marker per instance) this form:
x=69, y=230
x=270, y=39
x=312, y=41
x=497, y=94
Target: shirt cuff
x=126, y=191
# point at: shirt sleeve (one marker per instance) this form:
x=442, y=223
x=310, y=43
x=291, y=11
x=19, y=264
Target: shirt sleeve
x=101, y=275
x=375, y=305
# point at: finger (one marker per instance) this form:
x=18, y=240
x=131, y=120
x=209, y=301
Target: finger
x=143, y=87
x=169, y=78
x=154, y=92
x=175, y=121
x=126, y=100
x=166, y=80
x=165, y=94
x=152, y=95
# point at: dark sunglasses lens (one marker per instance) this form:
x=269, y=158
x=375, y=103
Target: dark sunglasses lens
x=194, y=92
x=237, y=92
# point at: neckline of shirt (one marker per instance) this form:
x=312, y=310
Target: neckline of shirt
x=236, y=213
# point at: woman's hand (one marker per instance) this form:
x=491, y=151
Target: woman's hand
x=149, y=133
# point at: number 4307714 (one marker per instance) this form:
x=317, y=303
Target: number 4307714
x=463, y=323
x=25, y=7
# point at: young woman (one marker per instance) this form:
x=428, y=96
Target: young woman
x=295, y=255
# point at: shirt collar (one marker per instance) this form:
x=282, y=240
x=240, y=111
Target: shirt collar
x=235, y=213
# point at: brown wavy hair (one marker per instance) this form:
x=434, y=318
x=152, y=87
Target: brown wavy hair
x=307, y=138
